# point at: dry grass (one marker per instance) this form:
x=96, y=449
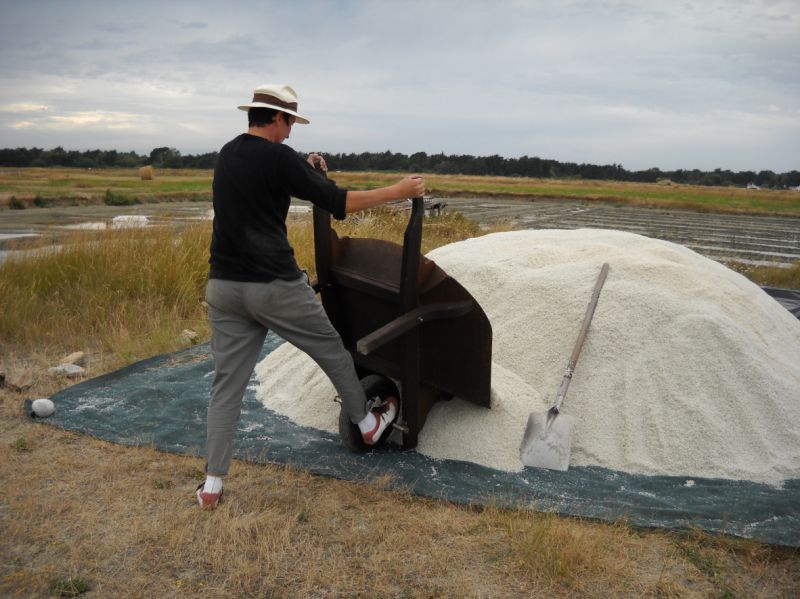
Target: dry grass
x=388, y=225
x=130, y=291
x=770, y=276
x=123, y=520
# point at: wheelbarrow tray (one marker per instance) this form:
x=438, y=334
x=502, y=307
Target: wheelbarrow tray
x=401, y=316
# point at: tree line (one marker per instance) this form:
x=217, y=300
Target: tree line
x=163, y=157
x=462, y=164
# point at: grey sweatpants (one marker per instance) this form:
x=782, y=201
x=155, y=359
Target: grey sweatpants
x=240, y=316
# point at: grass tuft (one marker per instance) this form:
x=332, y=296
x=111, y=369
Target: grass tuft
x=118, y=198
x=547, y=550
x=162, y=484
x=71, y=586
x=20, y=445
x=770, y=276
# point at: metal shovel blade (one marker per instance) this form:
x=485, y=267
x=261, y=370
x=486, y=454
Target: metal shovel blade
x=548, y=440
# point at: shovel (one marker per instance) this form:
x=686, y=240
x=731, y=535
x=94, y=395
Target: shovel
x=548, y=436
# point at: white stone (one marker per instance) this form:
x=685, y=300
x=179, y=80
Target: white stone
x=78, y=358
x=90, y=226
x=43, y=407
x=69, y=370
x=19, y=381
x=189, y=337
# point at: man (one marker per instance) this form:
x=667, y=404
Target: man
x=254, y=282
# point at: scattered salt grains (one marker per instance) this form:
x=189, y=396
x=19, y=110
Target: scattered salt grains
x=688, y=368
x=293, y=385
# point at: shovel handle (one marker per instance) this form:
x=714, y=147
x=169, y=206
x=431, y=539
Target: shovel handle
x=587, y=319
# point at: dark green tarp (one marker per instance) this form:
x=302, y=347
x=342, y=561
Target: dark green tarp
x=163, y=401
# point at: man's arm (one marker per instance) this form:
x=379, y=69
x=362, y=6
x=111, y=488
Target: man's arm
x=408, y=187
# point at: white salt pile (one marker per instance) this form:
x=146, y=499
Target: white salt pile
x=129, y=221
x=688, y=368
x=92, y=226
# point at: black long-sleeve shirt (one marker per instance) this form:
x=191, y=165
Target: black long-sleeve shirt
x=254, y=180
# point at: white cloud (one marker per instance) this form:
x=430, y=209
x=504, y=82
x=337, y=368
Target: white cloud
x=87, y=121
x=21, y=124
x=24, y=107
x=96, y=118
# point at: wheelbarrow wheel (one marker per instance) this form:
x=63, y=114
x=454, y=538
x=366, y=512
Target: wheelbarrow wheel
x=375, y=386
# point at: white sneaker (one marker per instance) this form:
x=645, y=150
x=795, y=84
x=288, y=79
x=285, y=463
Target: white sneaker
x=208, y=501
x=384, y=414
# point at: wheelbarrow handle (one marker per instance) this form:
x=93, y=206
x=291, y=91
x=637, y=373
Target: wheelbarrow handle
x=412, y=243
x=409, y=320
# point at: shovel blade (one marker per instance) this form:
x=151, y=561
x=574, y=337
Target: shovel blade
x=547, y=442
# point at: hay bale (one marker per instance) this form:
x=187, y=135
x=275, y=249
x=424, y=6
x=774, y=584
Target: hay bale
x=146, y=173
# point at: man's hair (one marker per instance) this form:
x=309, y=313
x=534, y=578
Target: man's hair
x=261, y=117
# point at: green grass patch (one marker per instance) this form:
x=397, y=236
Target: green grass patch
x=118, y=186
x=117, y=198
x=20, y=445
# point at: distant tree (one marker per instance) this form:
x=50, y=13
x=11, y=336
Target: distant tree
x=417, y=162
x=766, y=179
x=166, y=157
x=200, y=161
x=130, y=160
x=19, y=157
x=109, y=158
x=790, y=179
x=446, y=167
x=742, y=178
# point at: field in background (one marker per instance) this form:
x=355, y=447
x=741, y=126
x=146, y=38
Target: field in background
x=49, y=186
x=22, y=191
x=60, y=185
x=123, y=522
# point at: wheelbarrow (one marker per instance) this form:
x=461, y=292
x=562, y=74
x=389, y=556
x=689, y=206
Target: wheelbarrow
x=414, y=332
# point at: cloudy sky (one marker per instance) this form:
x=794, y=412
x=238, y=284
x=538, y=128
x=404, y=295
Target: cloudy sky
x=703, y=84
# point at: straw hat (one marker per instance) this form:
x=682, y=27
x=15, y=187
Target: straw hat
x=278, y=97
